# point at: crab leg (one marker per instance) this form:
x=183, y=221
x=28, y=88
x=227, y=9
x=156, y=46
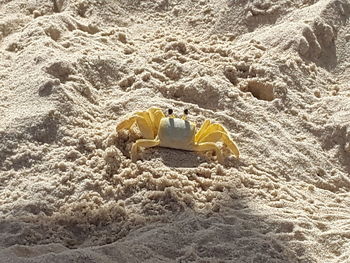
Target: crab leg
x=221, y=136
x=209, y=146
x=201, y=130
x=156, y=115
x=142, y=143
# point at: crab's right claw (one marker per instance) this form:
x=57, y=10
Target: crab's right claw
x=126, y=124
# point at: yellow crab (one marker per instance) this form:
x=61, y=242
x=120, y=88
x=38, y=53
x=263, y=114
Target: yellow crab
x=177, y=133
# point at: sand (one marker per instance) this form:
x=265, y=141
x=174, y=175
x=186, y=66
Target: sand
x=276, y=74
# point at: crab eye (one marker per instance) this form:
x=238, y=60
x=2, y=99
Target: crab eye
x=170, y=111
x=186, y=112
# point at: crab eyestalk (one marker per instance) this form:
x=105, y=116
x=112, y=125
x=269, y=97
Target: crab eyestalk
x=171, y=113
x=184, y=117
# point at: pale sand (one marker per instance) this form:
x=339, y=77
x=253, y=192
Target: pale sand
x=275, y=73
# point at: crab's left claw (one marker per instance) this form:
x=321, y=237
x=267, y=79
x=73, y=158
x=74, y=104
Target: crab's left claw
x=210, y=132
x=221, y=136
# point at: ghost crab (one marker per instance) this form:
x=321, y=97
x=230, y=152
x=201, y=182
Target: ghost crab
x=177, y=133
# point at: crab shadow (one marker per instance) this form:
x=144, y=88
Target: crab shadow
x=177, y=158
x=186, y=159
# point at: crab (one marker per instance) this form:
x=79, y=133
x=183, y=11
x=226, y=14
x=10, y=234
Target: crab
x=177, y=133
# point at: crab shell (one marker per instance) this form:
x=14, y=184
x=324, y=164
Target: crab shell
x=176, y=133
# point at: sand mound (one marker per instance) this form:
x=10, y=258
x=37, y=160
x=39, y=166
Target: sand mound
x=275, y=73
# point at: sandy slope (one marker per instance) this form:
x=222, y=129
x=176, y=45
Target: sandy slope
x=275, y=73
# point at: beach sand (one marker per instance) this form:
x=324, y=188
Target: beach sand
x=276, y=74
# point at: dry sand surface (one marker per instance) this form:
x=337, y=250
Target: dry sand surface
x=275, y=73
